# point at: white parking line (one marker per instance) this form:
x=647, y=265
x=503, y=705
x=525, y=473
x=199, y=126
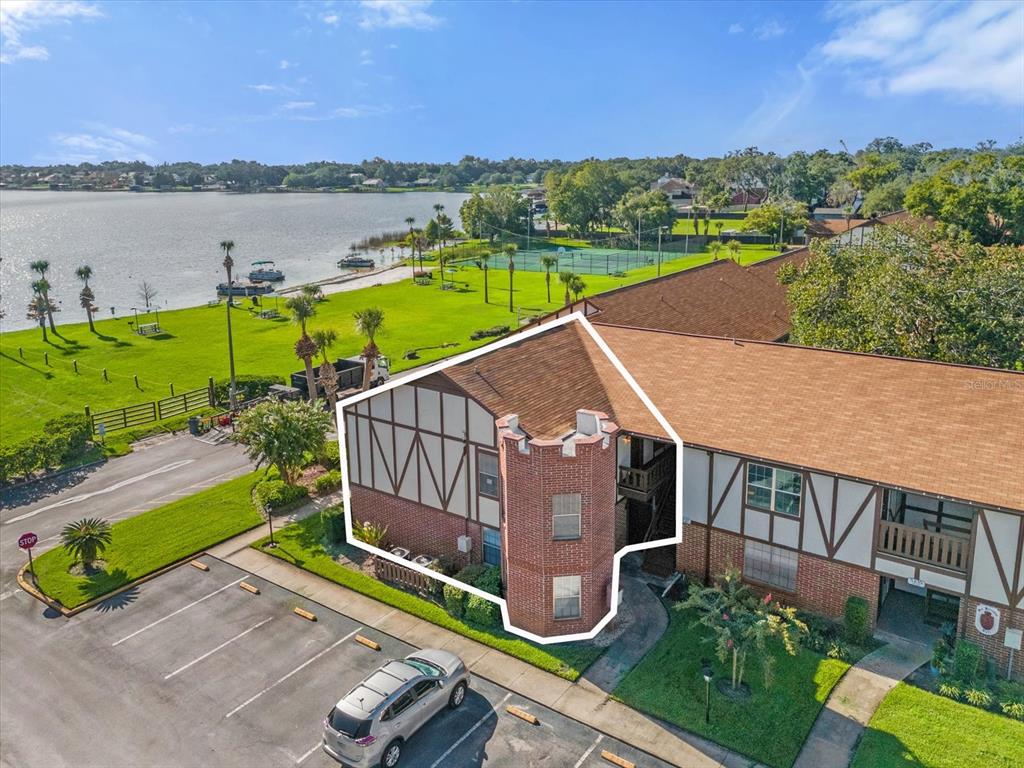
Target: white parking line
x=175, y=613
x=586, y=754
x=314, y=749
x=469, y=733
x=210, y=653
x=299, y=668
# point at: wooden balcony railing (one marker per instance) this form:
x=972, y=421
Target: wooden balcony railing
x=641, y=482
x=942, y=549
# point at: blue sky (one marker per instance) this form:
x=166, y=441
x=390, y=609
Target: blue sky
x=293, y=82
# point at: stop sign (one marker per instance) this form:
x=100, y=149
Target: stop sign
x=27, y=540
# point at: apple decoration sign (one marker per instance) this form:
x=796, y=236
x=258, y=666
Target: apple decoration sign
x=986, y=619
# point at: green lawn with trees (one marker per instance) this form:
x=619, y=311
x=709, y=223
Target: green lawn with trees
x=770, y=726
x=40, y=380
x=303, y=544
x=146, y=543
x=913, y=727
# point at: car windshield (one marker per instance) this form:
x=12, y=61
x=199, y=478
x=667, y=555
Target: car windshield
x=353, y=727
x=425, y=667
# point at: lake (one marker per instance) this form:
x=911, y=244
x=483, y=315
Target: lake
x=170, y=240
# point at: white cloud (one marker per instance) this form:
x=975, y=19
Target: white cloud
x=973, y=51
x=285, y=64
x=262, y=87
x=331, y=19
x=769, y=30
x=18, y=17
x=298, y=105
x=365, y=57
x=735, y=29
x=411, y=14
x=101, y=142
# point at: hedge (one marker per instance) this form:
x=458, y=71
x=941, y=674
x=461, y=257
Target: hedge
x=63, y=440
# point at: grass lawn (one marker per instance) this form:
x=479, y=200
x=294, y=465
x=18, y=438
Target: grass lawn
x=302, y=544
x=147, y=542
x=770, y=726
x=685, y=226
x=913, y=727
x=194, y=345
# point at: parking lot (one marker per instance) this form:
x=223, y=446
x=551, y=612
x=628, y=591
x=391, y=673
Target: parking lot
x=191, y=669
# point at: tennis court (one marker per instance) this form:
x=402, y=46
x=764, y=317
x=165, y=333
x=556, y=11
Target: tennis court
x=585, y=261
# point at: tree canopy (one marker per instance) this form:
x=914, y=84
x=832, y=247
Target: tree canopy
x=912, y=291
x=281, y=433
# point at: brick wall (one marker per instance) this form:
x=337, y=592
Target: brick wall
x=417, y=527
x=993, y=644
x=822, y=586
x=532, y=556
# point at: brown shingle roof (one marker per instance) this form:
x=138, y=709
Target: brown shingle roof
x=716, y=299
x=547, y=378
x=950, y=430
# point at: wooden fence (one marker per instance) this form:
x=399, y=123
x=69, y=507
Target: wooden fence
x=143, y=413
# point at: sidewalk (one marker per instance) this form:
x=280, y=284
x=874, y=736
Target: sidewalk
x=581, y=701
x=842, y=720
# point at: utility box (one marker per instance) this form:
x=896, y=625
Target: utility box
x=465, y=544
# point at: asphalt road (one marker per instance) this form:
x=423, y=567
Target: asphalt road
x=156, y=473
x=191, y=670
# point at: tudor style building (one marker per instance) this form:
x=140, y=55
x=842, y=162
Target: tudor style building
x=819, y=474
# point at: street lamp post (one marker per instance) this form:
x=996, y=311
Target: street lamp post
x=638, y=238
x=227, y=246
x=660, y=230
x=529, y=221
x=705, y=668
x=136, y=311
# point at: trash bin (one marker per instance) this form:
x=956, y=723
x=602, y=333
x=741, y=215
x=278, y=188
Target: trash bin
x=193, y=425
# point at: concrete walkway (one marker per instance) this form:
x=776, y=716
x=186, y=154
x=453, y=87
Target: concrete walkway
x=581, y=701
x=842, y=720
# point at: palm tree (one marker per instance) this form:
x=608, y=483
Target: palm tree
x=86, y=539
x=227, y=246
x=37, y=310
x=313, y=292
x=577, y=286
x=718, y=226
x=548, y=260
x=565, y=278
x=324, y=339
x=369, y=321
x=734, y=249
x=715, y=247
x=484, y=258
x=87, y=297
x=302, y=310
x=510, y=253
x=42, y=266
x=419, y=243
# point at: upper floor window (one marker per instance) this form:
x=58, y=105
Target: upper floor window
x=567, y=596
x=773, y=488
x=487, y=474
x=565, y=515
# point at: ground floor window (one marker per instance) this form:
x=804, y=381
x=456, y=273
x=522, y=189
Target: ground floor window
x=492, y=546
x=770, y=565
x=567, y=596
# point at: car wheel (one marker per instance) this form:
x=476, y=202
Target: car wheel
x=392, y=754
x=458, y=696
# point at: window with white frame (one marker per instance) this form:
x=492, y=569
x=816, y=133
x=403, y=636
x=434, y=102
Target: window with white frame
x=492, y=546
x=567, y=596
x=770, y=565
x=565, y=515
x=487, y=474
x=773, y=488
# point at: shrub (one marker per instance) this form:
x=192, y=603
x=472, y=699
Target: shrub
x=330, y=456
x=979, y=697
x=966, y=660
x=490, y=580
x=856, y=625
x=1014, y=709
x=72, y=431
x=950, y=691
x=837, y=651
x=274, y=494
x=471, y=573
x=482, y=611
x=327, y=482
x=333, y=518
x=62, y=440
x=454, y=601
x=484, y=333
x=246, y=387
